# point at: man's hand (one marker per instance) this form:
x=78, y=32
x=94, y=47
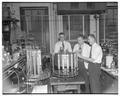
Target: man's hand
x=78, y=51
x=85, y=58
x=79, y=55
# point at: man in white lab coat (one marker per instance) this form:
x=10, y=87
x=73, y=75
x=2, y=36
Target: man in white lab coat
x=84, y=49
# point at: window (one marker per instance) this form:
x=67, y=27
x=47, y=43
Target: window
x=90, y=5
x=35, y=21
x=109, y=27
x=73, y=25
x=112, y=26
x=76, y=26
x=74, y=5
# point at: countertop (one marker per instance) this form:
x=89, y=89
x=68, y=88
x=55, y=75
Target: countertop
x=112, y=72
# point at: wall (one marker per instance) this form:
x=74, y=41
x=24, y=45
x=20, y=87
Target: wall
x=54, y=25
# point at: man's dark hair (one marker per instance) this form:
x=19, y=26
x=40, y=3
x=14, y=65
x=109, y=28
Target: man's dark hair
x=61, y=33
x=93, y=36
x=81, y=36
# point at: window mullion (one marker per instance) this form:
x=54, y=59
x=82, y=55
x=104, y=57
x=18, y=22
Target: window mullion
x=104, y=26
x=83, y=25
x=69, y=25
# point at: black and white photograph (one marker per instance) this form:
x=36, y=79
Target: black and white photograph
x=59, y=48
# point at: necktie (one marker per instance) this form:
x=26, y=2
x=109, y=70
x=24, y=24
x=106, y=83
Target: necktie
x=91, y=52
x=79, y=47
x=63, y=45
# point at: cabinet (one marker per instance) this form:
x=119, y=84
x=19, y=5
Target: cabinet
x=109, y=84
x=7, y=21
x=6, y=32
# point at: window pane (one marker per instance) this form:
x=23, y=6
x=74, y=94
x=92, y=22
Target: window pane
x=86, y=25
x=66, y=27
x=76, y=26
x=101, y=29
x=46, y=39
x=36, y=22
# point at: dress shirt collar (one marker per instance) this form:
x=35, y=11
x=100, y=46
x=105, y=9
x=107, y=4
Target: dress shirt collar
x=81, y=45
x=94, y=44
x=62, y=41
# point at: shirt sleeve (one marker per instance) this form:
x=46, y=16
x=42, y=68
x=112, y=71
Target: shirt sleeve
x=69, y=47
x=56, y=49
x=98, y=56
x=86, y=51
x=75, y=48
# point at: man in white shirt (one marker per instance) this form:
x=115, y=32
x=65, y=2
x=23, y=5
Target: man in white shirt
x=84, y=49
x=94, y=60
x=62, y=45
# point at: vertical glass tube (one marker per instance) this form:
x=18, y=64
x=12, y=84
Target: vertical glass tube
x=59, y=63
x=72, y=62
x=67, y=61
